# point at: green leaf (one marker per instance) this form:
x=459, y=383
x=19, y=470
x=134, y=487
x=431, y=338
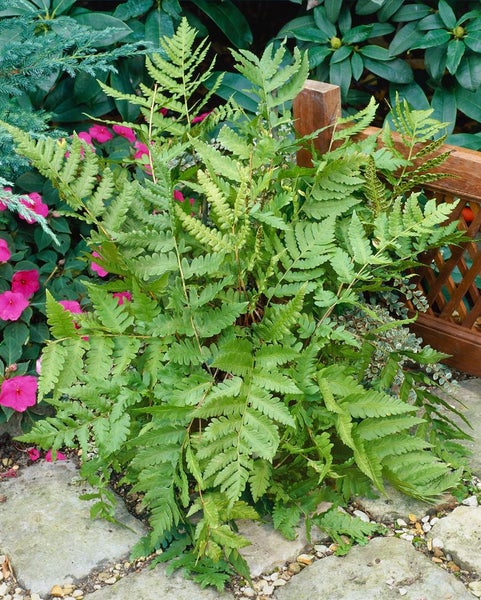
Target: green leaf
x=411, y=12
x=357, y=34
x=375, y=52
x=115, y=29
x=405, y=39
x=432, y=39
x=454, y=55
x=469, y=72
x=473, y=41
x=469, y=102
x=445, y=107
x=395, y=70
x=229, y=19
x=340, y=74
x=447, y=14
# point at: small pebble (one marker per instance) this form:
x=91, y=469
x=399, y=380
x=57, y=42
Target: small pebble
x=279, y=582
x=35, y=597
x=471, y=501
x=407, y=536
x=111, y=580
x=426, y=527
x=475, y=588
x=294, y=568
x=361, y=515
x=402, y=591
x=434, y=520
x=401, y=523
x=425, y=519
x=437, y=543
x=305, y=559
x=77, y=594
x=3, y=589
x=248, y=592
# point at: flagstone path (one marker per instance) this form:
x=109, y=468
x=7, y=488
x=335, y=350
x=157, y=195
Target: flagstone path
x=50, y=548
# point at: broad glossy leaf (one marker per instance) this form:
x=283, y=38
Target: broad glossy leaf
x=357, y=66
x=473, y=41
x=368, y=7
x=60, y=7
x=230, y=20
x=435, y=62
x=115, y=29
x=412, y=92
x=158, y=25
x=380, y=29
x=357, y=34
x=405, y=39
x=341, y=74
x=323, y=23
x=447, y=14
x=333, y=9
x=375, y=52
x=433, y=39
x=454, y=54
x=395, y=70
x=341, y=54
x=388, y=9
x=469, y=72
x=445, y=107
x=235, y=86
x=466, y=140
x=295, y=26
x=411, y=12
x=317, y=55
x=17, y=8
x=433, y=21
x=469, y=102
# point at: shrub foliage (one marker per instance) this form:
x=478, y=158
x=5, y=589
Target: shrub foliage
x=232, y=381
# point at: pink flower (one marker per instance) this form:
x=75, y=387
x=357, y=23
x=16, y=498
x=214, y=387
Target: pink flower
x=36, y=206
x=97, y=268
x=179, y=196
x=25, y=282
x=4, y=251
x=125, y=132
x=86, y=137
x=142, y=150
x=71, y=305
x=100, y=134
x=3, y=206
x=10, y=473
x=38, y=365
x=121, y=296
x=200, y=117
x=60, y=456
x=19, y=392
x=12, y=305
x=163, y=112
x=33, y=454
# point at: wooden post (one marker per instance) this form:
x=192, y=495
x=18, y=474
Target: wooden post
x=318, y=105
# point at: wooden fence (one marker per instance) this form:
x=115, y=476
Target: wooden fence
x=450, y=277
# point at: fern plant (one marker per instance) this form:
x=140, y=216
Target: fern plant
x=228, y=385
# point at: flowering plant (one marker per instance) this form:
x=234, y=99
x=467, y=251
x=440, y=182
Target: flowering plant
x=217, y=366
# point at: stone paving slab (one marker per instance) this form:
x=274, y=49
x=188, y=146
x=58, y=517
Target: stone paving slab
x=469, y=393
x=460, y=534
x=154, y=584
x=46, y=530
x=385, y=569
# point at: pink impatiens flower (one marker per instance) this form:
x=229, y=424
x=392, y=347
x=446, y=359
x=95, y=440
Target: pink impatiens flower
x=36, y=205
x=100, y=134
x=4, y=251
x=12, y=305
x=86, y=137
x=97, y=268
x=179, y=196
x=125, y=132
x=201, y=117
x=19, y=392
x=142, y=150
x=25, y=282
x=33, y=454
x=122, y=296
x=71, y=305
x=60, y=456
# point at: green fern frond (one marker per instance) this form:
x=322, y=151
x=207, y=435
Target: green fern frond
x=112, y=315
x=203, y=234
x=354, y=124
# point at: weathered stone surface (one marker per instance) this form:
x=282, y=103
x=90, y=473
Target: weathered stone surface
x=469, y=393
x=46, y=530
x=392, y=506
x=269, y=549
x=460, y=533
x=384, y=569
x=154, y=584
